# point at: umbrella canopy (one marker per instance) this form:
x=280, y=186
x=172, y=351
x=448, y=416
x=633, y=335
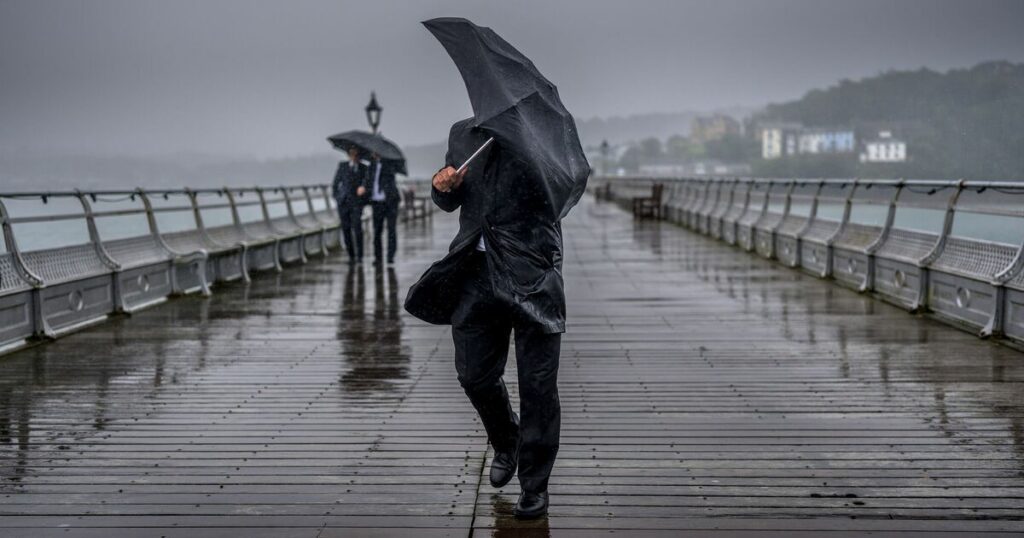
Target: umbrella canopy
x=514, y=103
x=370, y=143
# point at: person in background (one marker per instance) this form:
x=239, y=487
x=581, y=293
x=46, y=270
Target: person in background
x=349, y=189
x=384, y=198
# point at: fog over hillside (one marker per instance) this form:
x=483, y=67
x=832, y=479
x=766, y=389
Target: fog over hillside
x=29, y=170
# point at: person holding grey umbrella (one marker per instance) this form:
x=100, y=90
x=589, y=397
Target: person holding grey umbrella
x=513, y=170
x=384, y=199
x=348, y=189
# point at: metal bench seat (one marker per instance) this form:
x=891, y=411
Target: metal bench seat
x=757, y=206
x=714, y=196
x=731, y=217
x=786, y=239
x=287, y=226
x=764, y=234
x=10, y=280
x=64, y=264
x=815, y=248
x=15, y=304
x=148, y=272
x=227, y=235
x=851, y=254
x=187, y=241
x=137, y=251
x=898, y=266
x=260, y=231
x=76, y=287
x=721, y=209
x=973, y=258
x=314, y=241
x=292, y=239
x=745, y=227
x=907, y=245
x=791, y=225
x=329, y=216
x=701, y=192
x=962, y=281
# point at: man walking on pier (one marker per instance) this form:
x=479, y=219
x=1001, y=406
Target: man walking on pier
x=384, y=197
x=522, y=170
x=348, y=189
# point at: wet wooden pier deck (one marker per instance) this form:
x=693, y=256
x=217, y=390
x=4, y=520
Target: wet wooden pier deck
x=704, y=390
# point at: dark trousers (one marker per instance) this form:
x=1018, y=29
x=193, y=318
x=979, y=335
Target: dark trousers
x=350, y=216
x=481, y=326
x=385, y=211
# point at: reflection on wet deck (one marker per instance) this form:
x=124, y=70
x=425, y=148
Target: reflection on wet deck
x=703, y=389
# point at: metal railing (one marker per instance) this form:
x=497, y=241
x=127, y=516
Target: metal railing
x=137, y=248
x=951, y=248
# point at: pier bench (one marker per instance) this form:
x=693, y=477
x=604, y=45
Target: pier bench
x=775, y=210
x=649, y=206
x=831, y=210
x=979, y=253
x=871, y=209
x=740, y=200
x=921, y=214
x=801, y=204
x=757, y=204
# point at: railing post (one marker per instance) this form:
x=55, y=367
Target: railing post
x=101, y=252
x=154, y=228
x=234, y=210
x=295, y=221
x=266, y=219
x=316, y=219
x=812, y=213
x=947, y=226
x=847, y=207
x=940, y=245
x=197, y=215
x=890, y=218
x=94, y=234
x=263, y=206
x=20, y=267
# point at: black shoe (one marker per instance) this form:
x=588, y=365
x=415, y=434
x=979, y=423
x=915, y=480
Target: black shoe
x=531, y=505
x=503, y=467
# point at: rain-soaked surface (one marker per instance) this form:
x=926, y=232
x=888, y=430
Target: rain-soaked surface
x=702, y=389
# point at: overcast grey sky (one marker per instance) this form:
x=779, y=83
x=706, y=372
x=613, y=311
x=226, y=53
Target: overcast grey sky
x=272, y=78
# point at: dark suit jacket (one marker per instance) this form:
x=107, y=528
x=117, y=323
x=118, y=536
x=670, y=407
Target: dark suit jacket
x=388, y=183
x=346, y=181
x=524, y=247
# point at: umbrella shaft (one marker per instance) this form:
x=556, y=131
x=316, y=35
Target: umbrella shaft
x=475, y=154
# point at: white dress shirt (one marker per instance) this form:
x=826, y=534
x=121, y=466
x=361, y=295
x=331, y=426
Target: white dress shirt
x=378, y=195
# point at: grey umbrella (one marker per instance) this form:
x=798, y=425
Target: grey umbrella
x=371, y=143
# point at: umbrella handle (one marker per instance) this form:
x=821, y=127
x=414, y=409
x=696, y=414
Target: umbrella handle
x=474, y=155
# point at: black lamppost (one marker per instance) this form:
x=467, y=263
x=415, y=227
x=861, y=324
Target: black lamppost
x=605, y=148
x=373, y=112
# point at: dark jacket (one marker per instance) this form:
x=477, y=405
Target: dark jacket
x=388, y=183
x=346, y=181
x=524, y=247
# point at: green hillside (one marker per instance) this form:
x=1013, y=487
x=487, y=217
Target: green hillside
x=965, y=123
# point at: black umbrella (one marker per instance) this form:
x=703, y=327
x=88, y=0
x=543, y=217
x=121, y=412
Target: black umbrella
x=370, y=143
x=520, y=108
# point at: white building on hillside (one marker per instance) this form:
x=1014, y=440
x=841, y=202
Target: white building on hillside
x=779, y=140
x=884, y=149
x=815, y=141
